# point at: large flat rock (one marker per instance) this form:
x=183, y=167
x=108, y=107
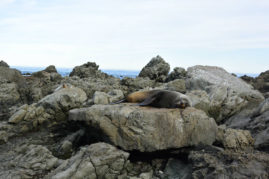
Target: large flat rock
x=146, y=128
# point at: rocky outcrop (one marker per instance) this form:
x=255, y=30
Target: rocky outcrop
x=106, y=98
x=157, y=69
x=146, y=128
x=3, y=64
x=256, y=121
x=98, y=160
x=228, y=94
x=27, y=161
x=177, y=73
x=88, y=70
x=53, y=107
x=213, y=163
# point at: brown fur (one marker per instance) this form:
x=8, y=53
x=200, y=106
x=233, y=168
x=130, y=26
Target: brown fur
x=137, y=97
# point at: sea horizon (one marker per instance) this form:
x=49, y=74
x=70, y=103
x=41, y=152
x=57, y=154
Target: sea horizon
x=119, y=73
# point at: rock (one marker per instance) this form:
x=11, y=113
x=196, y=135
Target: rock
x=115, y=95
x=256, y=121
x=146, y=128
x=175, y=85
x=228, y=94
x=157, y=69
x=177, y=73
x=138, y=83
x=10, y=75
x=100, y=98
x=177, y=169
x=3, y=64
x=51, y=69
x=262, y=82
x=98, y=160
x=88, y=70
x=228, y=164
x=53, y=107
x=30, y=161
x=234, y=138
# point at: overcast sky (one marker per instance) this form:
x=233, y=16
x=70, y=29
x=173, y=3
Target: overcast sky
x=126, y=34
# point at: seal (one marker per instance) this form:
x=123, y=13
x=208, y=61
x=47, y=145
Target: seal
x=159, y=98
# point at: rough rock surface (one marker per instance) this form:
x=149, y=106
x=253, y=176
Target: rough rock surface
x=3, y=64
x=98, y=160
x=157, y=69
x=88, y=70
x=52, y=107
x=228, y=94
x=256, y=121
x=213, y=163
x=27, y=161
x=177, y=73
x=146, y=128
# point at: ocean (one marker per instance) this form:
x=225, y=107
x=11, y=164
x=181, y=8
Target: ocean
x=115, y=73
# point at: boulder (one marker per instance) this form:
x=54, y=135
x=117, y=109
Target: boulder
x=51, y=69
x=157, y=69
x=3, y=64
x=53, y=107
x=98, y=160
x=146, y=128
x=234, y=138
x=29, y=161
x=88, y=70
x=256, y=121
x=175, y=85
x=106, y=98
x=213, y=163
x=228, y=94
x=177, y=73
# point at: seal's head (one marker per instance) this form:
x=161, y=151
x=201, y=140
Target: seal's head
x=182, y=101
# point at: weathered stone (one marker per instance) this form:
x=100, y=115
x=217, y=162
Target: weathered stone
x=100, y=98
x=146, y=128
x=98, y=160
x=234, y=138
x=177, y=73
x=228, y=94
x=51, y=69
x=3, y=64
x=157, y=69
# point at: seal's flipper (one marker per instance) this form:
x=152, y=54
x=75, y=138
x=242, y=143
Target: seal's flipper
x=148, y=100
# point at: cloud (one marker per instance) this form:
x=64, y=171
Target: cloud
x=126, y=31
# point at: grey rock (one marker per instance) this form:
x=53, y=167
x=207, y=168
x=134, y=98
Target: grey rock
x=175, y=169
x=177, y=73
x=229, y=164
x=157, y=69
x=98, y=160
x=3, y=64
x=138, y=83
x=51, y=69
x=88, y=70
x=115, y=95
x=100, y=98
x=235, y=139
x=176, y=85
x=53, y=107
x=228, y=94
x=30, y=161
x=146, y=128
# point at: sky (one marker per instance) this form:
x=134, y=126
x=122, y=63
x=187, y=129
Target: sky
x=126, y=34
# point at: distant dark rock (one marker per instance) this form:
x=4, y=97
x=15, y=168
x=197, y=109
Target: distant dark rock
x=3, y=64
x=177, y=73
x=51, y=69
x=157, y=69
x=88, y=70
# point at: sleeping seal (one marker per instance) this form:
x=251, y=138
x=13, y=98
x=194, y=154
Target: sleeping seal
x=159, y=98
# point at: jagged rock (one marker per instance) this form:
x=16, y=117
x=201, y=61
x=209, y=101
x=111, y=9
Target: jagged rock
x=207, y=163
x=90, y=85
x=98, y=160
x=51, y=69
x=177, y=73
x=88, y=70
x=234, y=138
x=228, y=94
x=106, y=98
x=29, y=161
x=157, y=69
x=177, y=169
x=52, y=107
x=256, y=121
x=138, y=83
x=147, y=128
x=3, y=64
x=176, y=85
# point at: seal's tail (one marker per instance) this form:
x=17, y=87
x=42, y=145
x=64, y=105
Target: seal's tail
x=118, y=102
